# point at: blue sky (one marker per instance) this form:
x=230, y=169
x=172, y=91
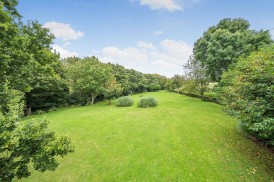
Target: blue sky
x=152, y=36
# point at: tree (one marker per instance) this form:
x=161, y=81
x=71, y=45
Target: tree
x=156, y=78
x=111, y=90
x=175, y=83
x=48, y=88
x=196, y=74
x=27, y=62
x=222, y=45
x=88, y=77
x=25, y=142
x=137, y=81
x=120, y=73
x=248, y=93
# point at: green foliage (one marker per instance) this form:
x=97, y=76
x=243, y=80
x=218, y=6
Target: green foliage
x=248, y=93
x=156, y=78
x=222, y=45
x=39, y=112
x=197, y=80
x=154, y=87
x=27, y=62
x=137, y=81
x=189, y=87
x=88, y=77
x=9, y=6
x=124, y=101
x=26, y=142
x=132, y=81
x=111, y=90
x=120, y=73
x=77, y=99
x=147, y=102
x=175, y=83
x=48, y=87
x=214, y=93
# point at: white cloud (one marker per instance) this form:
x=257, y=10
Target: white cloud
x=177, y=48
x=159, y=32
x=131, y=54
x=169, y=5
x=64, y=31
x=146, y=45
x=167, y=58
x=63, y=52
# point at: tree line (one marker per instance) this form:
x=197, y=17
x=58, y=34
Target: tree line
x=90, y=80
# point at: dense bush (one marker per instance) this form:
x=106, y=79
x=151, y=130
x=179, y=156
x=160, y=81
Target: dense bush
x=248, y=93
x=154, y=87
x=124, y=102
x=147, y=102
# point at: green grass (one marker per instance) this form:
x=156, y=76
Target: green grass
x=182, y=139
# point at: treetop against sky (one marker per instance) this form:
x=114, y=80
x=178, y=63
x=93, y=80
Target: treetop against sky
x=147, y=35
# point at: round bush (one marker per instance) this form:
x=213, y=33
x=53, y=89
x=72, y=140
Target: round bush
x=124, y=102
x=154, y=87
x=147, y=102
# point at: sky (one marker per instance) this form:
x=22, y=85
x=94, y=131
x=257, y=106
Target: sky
x=151, y=36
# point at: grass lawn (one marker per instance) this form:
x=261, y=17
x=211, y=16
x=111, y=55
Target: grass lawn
x=183, y=139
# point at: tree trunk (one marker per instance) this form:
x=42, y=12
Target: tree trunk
x=93, y=96
x=28, y=111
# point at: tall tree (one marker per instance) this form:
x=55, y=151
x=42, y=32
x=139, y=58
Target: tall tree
x=88, y=77
x=196, y=73
x=221, y=45
x=28, y=64
x=176, y=82
x=48, y=87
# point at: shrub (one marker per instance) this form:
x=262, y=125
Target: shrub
x=147, y=102
x=124, y=102
x=154, y=87
x=39, y=112
x=248, y=93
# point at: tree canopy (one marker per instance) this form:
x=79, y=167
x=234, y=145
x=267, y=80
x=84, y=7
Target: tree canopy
x=88, y=77
x=222, y=45
x=27, y=61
